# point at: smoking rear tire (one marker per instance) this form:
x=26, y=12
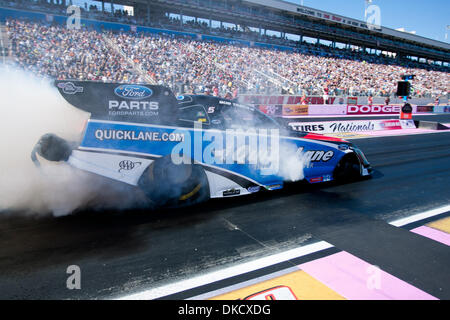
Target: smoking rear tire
x=348, y=169
x=53, y=148
x=168, y=184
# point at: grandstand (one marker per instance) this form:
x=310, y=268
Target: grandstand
x=224, y=47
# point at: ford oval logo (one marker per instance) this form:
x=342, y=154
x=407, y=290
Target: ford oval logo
x=134, y=92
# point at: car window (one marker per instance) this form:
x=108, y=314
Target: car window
x=194, y=113
x=245, y=117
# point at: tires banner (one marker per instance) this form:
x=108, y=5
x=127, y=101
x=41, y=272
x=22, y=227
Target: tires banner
x=327, y=127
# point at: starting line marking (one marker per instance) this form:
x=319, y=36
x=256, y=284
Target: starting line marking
x=420, y=216
x=229, y=272
x=257, y=264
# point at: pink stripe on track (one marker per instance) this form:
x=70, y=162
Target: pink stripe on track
x=356, y=279
x=434, y=234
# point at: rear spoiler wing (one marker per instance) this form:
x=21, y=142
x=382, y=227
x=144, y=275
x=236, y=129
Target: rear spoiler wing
x=141, y=103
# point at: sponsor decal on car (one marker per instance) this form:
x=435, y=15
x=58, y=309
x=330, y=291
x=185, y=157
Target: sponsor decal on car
x=128, y=165
x=316, y=180
x=70, y=88
x=133, y=108
x=254, y=189
x=134, y=135
x=134, y=92
x=231, y=192
x=315, y=156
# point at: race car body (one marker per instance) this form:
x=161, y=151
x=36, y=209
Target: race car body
x=187, y=149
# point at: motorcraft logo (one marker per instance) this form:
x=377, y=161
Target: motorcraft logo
x=133, y=92
x=70, y=88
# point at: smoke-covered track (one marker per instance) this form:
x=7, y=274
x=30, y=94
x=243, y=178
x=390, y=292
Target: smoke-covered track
x=125, y=252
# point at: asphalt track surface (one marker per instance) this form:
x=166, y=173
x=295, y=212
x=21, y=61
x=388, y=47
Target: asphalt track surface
x=125, y=252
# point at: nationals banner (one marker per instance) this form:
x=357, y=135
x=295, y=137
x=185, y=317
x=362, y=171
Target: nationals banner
x=352, y=126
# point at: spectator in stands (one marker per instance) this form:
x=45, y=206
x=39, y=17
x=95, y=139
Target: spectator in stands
x=185, y=63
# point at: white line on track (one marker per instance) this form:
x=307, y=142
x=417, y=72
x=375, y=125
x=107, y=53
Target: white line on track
x=229, y=272
x=420, y=216
x=257, y=264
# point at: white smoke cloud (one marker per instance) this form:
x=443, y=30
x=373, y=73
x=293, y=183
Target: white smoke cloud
x=29, y=108
x=292, y=162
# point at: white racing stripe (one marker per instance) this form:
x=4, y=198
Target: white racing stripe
x=257, y=264
x=420, y=216
x=236, y=270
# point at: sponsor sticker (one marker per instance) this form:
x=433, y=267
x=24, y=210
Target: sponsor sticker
x=70, y=88
x=128, y=165
x=254, y=189
x=231, y=192
x=316, y=180
x=133, y=92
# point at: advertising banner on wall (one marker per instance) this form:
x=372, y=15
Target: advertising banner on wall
x=352, y=126
x=441, y=109
x=277, y=100
x=272, y=110
x=425, y=109
x=373, y=109
x=292, y=110
x=326, y=109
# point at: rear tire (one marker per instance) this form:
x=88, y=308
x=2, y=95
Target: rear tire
x=168, y=184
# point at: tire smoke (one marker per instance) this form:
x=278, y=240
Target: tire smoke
x=31, y=107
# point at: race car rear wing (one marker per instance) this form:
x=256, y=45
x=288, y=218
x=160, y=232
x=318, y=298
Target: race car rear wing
x=139, y=103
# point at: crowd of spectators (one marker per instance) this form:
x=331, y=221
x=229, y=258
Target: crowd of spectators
x=57, y=52
x=225, y=68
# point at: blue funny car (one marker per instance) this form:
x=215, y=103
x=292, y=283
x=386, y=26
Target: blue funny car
x=191, y=148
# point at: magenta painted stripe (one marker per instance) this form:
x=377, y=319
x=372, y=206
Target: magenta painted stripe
x=434, y=234
x=356, y=279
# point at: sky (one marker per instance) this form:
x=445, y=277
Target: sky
x=429, y=18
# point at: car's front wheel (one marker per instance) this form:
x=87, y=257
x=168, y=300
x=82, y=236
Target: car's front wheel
x=348, y=169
